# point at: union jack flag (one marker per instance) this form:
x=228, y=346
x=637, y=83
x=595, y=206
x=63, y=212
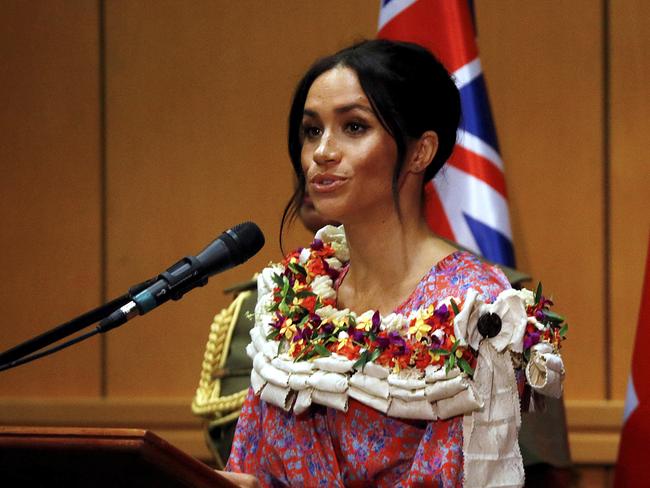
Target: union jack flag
x=467, y=201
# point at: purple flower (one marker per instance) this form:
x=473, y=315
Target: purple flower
x=376, y=322
x=531, y=339
x=328, y=328
x=442, y=312
x=316, y=320
x=279, y=320
x=303, y=333
x=398, y=341
x=356, y=334
x=317, y=245
x=383, y=342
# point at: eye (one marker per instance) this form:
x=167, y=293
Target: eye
x=311, y=131
x=355, y=128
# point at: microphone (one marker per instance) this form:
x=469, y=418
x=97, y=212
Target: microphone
x=230, y=249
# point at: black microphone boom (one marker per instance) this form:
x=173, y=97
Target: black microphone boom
x=231, y=248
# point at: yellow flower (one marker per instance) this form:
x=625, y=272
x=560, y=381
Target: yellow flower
x=419, y=329
x=459, y=353
x=365, y=325
x=288, y=329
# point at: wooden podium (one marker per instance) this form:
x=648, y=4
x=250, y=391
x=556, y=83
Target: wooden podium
x=75, y=457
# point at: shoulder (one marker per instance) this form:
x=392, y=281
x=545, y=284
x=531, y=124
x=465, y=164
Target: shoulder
x=462, y=270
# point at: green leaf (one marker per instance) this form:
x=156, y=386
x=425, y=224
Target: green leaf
x=297, y=269
x=273, y=334
x=285, y=286
x=303, y=321
x=441, y=352
x=452, y=361
x=564, y=330
x=321, y=350
x=374, y=355
x=538, y=293
x=280, y=344
x=284, y=308
x=278, y=279
x=361, y=362
x=455, y=346
x=553, y=317
x=305, y=294
x=454, y=306
x=464, y=366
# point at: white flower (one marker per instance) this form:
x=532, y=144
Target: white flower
x=304, y=255
x=322, y=286
x=334, y=263
x=509, y=306
x=335, y=236
x=343, y=335
x=325, y=312
x=526, y=295
x=265, y=283
x=392, y=322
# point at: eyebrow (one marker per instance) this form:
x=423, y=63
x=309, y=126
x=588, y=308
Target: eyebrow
x=342, y=109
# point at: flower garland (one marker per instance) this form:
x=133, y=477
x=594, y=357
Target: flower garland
x=306, y=324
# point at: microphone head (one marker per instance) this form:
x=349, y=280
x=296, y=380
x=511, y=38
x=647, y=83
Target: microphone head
x=231, y=248
x=248, y=240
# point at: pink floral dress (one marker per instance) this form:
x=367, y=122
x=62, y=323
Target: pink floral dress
x=363, y=447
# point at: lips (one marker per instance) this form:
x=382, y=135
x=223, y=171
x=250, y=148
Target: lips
x=326, y=183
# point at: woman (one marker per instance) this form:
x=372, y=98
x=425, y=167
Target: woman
x=368, y=127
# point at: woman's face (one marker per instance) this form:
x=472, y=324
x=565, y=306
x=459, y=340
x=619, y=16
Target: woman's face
x=347, y=156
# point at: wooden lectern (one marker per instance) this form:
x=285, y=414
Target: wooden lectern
x=75, y=457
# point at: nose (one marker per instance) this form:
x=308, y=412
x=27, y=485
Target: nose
x=327, y=150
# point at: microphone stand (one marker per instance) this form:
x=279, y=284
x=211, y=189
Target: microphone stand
x=37, y=343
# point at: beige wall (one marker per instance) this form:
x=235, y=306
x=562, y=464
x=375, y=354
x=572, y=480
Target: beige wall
x=133, y=133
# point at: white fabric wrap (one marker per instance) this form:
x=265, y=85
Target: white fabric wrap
x=339, y=401
x=328, y=382
x=334, y=363
x=370, y=384
x=278, y=396
x=303, y=401
x=376, y=402
x=413, y=409
x=545, y=371
x=445, y=388
x=490, y=447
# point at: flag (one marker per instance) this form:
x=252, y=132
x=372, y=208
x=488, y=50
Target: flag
x=632, y=467
x=467, y=202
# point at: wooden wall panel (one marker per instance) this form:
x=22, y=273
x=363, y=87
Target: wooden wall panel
x=49, y=189
x=543, y=64
x=629, y=177
x=198, y=97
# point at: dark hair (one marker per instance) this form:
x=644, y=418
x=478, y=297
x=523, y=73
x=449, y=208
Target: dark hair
x=410, y=91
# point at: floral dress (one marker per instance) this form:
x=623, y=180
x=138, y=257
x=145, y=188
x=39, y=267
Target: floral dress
x=363, y=447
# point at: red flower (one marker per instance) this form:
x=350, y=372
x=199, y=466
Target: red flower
x=309, y=303
x=315, y=267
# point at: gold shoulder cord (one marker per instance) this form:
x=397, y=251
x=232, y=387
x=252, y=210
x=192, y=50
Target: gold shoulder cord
x=208, y=402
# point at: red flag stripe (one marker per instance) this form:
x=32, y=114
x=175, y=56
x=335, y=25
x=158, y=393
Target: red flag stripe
x=479, y=167
x=443, y=26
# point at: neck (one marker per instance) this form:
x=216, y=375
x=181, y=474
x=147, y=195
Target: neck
x=388, y=257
